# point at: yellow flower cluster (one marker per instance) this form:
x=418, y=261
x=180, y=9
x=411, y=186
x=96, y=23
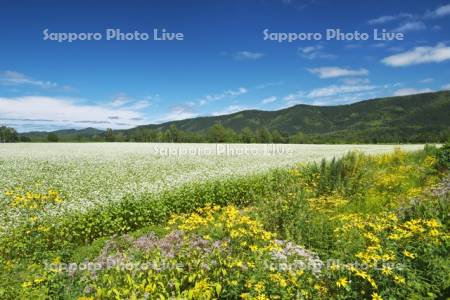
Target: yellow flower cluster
x=191, y=222
x=327, y=203
x=430, y=161
x=378, y=232
x=228, y=221
x=390, y=158
x=32, y=200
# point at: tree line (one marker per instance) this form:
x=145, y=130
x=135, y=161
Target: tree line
x=8, y=135
x=218, y=133
x=215, y=134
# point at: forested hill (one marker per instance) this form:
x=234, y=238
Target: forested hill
x=409, y=117
x=414, y=118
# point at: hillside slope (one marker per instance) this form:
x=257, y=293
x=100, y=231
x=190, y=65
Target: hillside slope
x=414, y=118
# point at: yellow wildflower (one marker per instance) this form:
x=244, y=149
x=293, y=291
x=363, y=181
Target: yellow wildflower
x=409, y=254
x=342, y=282
x=375, y=296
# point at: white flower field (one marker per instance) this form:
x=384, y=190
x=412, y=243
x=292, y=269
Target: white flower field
x=88, y=175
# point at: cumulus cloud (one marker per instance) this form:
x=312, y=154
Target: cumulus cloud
x=446, y=87
x=247, y=55
x=419, y=55
x=57, y=112
x=411, y=91
x=333, y=72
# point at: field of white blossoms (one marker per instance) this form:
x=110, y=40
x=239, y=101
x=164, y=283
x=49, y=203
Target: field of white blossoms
x=227, y=221
x=91, y=175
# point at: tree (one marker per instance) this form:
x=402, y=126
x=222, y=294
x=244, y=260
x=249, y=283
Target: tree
x=277, y=138
x=216, y=133
x=298, y=138
x=120, y=137
x=25, y=139
x=247, y=135
x=52, y=137
x=263, y=135
x=172, y=134
x=8, y=135
x=109, y=135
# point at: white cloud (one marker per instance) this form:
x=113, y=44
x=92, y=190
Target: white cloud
x=389, y=18
x=177, y=113
x=396, y=49
x=16, y=78
x=345, y=98
x=410, y=91
x=141, y=104
x=229, y=110
x=427, y=80
x=247, y=55
x=413, y=22
x=419, y=55
x=439, y=12
x=294, y=96
x=379, y=45
x=355, y=81
x=291, y=103
x=313, y=52
x=333, y=72
x=268, y=84
x=269, y=100
x=410, y=26
x=226, y=94
x=334, y=90
x=56, y=112
x=120, y=100
x=446, y=86
x=238, y=92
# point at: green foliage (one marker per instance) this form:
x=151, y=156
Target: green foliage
x=109, y=135
x=52, y=137
x=33, y=238
x=443, y=157
x=419, y=118
x=8, y=135
x=345, y=176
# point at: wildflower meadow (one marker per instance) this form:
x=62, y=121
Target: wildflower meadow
x=161, y=221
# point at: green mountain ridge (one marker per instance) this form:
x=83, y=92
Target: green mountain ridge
x=413, y=118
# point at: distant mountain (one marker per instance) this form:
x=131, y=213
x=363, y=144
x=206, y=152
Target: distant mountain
x=412, y=115
x=421, y=117
x=66, y=134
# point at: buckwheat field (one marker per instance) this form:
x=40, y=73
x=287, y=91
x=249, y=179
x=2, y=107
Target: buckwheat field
x=223, y=221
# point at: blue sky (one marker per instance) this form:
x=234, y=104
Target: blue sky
x=222, y=65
